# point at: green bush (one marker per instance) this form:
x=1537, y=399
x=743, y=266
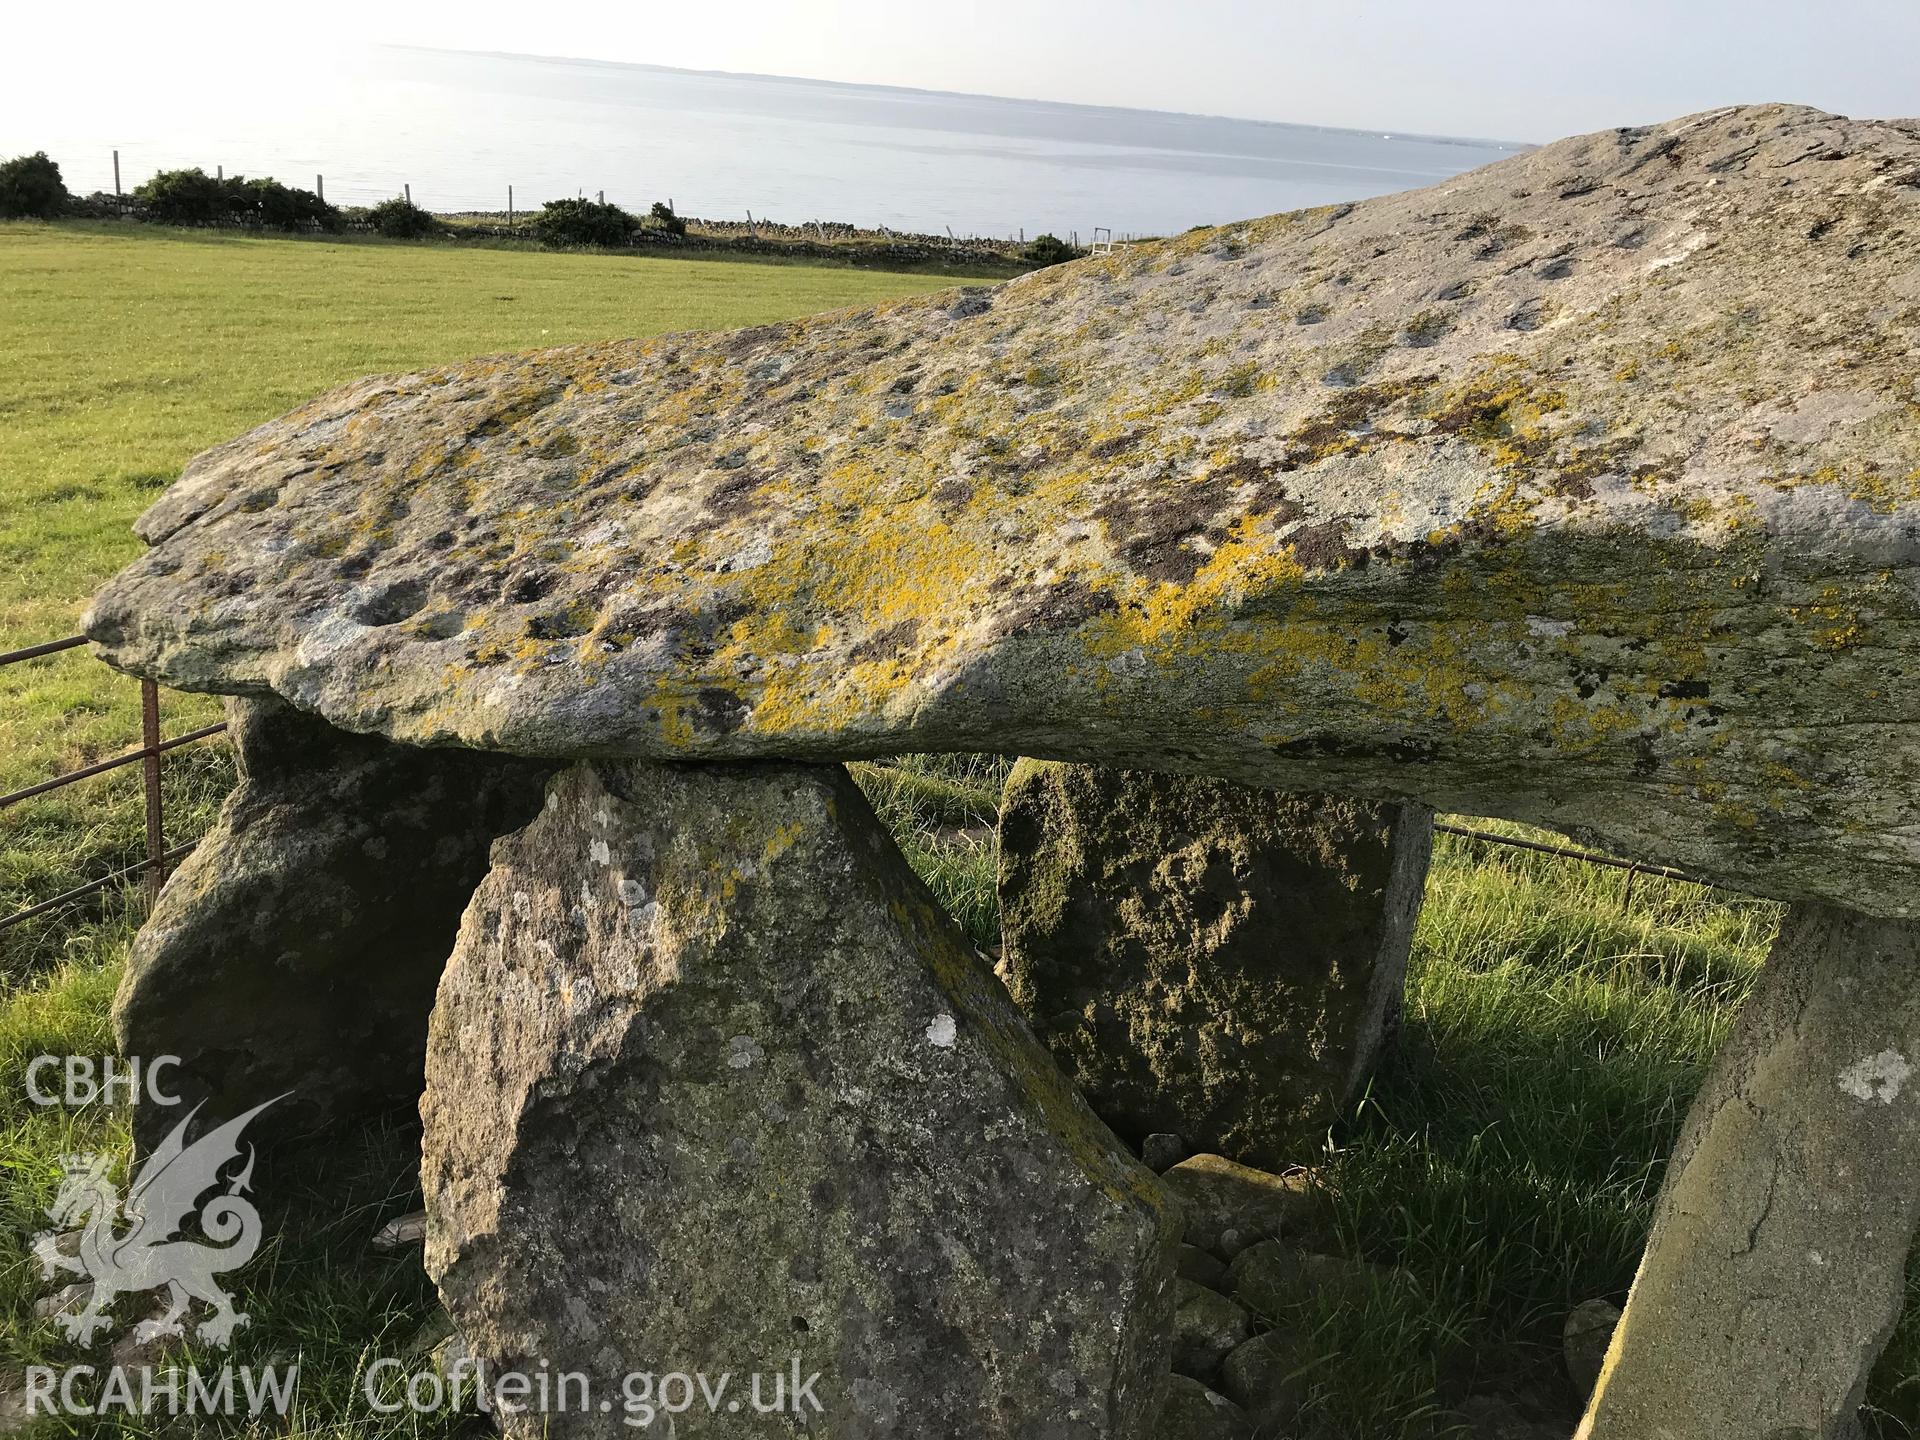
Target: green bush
x=31, y=185
x=1049, y=250
x=662, y=218
x=193, y=197
x=190, y=197
x=284, y=207
x=584, y=222
x=401, y=219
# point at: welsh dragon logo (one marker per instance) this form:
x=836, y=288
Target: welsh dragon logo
x=142, y=1249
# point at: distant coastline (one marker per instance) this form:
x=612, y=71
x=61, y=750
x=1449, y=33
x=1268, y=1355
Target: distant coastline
x=1477, y=141
x=459, y=130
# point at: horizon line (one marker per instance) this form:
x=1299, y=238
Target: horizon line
x=957, y=94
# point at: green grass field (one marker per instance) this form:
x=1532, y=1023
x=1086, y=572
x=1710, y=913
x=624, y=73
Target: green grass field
x=129, y=349
x=1506, y=1156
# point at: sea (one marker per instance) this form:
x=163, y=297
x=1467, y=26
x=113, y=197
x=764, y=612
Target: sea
x=457, y=129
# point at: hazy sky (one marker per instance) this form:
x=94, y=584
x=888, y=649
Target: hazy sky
x=1508, y=69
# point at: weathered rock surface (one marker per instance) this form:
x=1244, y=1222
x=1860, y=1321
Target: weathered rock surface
x=1193, y=1412
x=1202, y=1267
x=1206, y=1325
x=1580, y=489
x=1163, y=1152
x=1777, y=1263
x=298, y=947
x=1228, y=1206
x=713, y=1083
x=1584, y=1339
x=1206, y=958
x=1268, y=1377
x=69, y=1299
x=401, y=1232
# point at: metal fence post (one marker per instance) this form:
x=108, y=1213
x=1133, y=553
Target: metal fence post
x=150, y=763
x=152, y=870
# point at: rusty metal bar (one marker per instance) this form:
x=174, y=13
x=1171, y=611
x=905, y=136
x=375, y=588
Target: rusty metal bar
x=159, y=860
x=89, y=771
x=34, y=652
x=82, y=891
x=150, y=757
x=1631, y=866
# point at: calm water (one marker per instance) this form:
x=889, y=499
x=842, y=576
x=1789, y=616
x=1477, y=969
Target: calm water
x=461, y=128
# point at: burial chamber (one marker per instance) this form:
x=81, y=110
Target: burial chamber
x=1580, y=490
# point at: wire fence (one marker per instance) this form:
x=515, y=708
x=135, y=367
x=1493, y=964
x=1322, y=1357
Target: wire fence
x=515, y=211
x=160, y=860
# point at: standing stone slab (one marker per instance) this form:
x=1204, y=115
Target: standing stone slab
x=713, y=1084
x=1203, y=957
x=298, y=947
x=1776, y=1268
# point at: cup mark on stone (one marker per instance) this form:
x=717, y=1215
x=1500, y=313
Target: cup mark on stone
x=1530, y=316
x=1426, y=329
x=392, y=604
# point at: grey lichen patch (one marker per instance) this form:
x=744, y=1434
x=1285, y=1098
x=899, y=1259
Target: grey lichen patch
x=1129, y=510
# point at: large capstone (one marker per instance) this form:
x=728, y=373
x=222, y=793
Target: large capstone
x=1777, y=1264
x=1203, y=958
x=1581, y=489
x=715, y=1087
x=296, y=951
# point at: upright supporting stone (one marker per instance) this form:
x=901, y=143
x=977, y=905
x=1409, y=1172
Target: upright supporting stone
x=714, y=1088
x=1208, y=959
x=298, y=947
x=1776, y=1267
